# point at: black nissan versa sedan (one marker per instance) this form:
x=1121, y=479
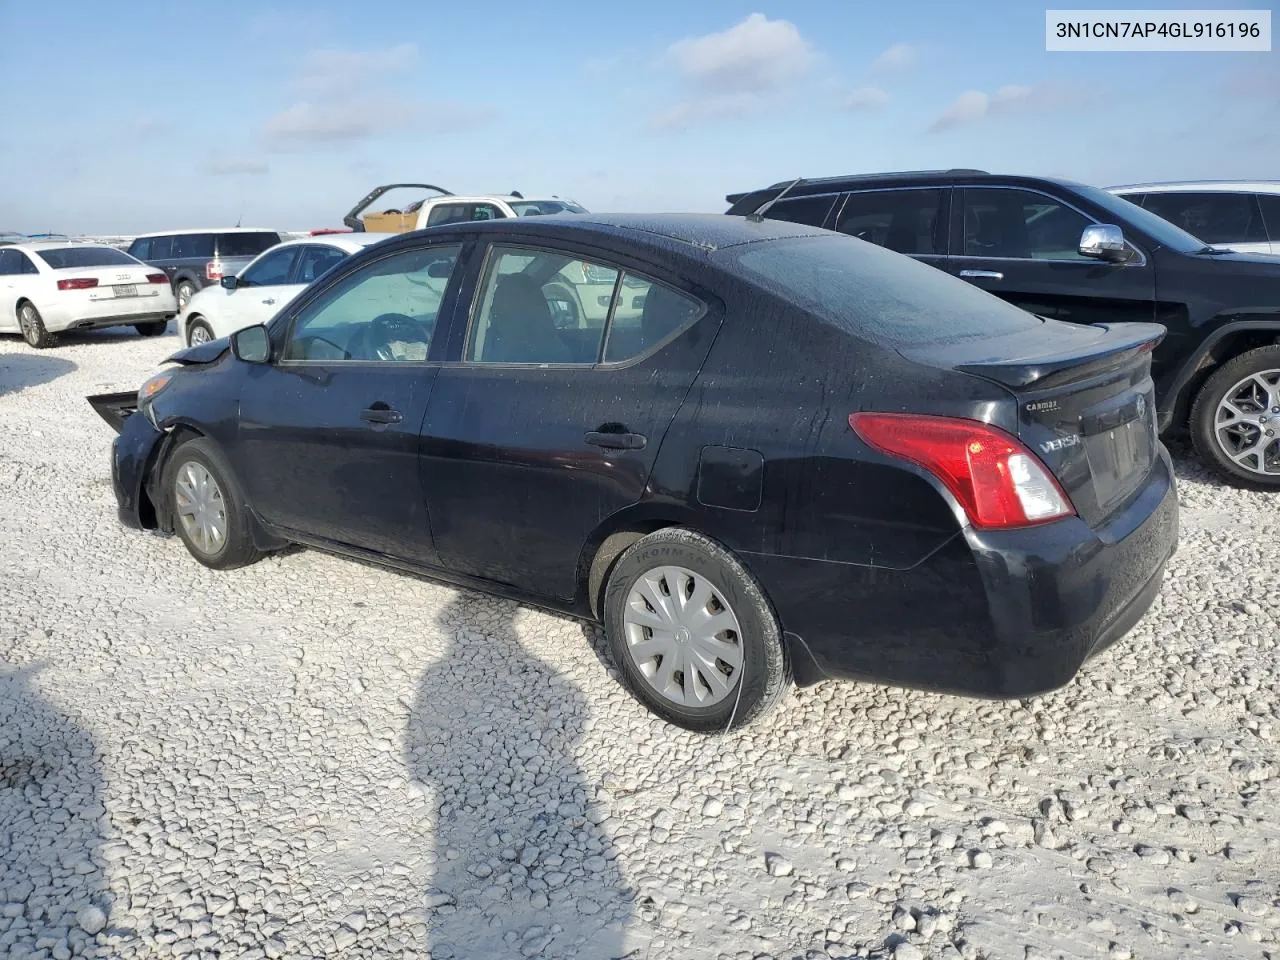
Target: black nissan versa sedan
x=775, y=453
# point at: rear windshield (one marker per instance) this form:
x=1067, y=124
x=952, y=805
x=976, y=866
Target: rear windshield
x=245, y=244
x=70, y=258
x=875, y=293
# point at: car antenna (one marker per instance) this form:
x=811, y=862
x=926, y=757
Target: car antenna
x=758, y=216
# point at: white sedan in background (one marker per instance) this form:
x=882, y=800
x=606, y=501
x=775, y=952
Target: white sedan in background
x=52, y=285
x=266, y=284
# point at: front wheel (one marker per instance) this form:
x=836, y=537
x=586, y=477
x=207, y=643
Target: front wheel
x=208, y=511
x=198, y=332
x=1235, y=422
x=152, y=329
x=692, y=633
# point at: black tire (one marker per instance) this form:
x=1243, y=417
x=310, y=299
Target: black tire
x=198, y=322
x=32, y=326
x=1204, y=413
x=236, y=548
x=155, y=328
x=765, y=674
x=184, y=290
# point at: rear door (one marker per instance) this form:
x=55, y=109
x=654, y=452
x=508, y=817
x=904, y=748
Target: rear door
x=537, y=434
x=1022, y=245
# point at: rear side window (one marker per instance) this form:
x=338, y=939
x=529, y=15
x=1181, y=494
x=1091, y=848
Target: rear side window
x=161, y=248
x=1212, y=216
x=193, y=246
x=317, y=259
x=645, y=314
x=8, y=263
x=71, y=258
x=462, y=213
x=245, y=244
x=141, y=249
x=907, y=221
x=811, y=211
x=876, y=294
x=25, y=264
x=1270, y=203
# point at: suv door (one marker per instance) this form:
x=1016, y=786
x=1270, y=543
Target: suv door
x=1217, y=217
x=535, y=436
x=1023, y=246
x=328, y=430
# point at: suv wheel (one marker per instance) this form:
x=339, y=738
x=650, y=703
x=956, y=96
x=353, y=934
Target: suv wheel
x=693, y=634
x=154, y=328
x=184, y=291
x=1235, y=423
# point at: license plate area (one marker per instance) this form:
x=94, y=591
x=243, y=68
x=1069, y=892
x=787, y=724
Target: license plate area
x=1121, y=454
x=125, y=290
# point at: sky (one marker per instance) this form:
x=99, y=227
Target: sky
x=152, y=116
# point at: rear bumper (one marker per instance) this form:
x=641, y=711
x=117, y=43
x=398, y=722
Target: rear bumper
x=132, y=453
x=110, y=313
x=1007, y=614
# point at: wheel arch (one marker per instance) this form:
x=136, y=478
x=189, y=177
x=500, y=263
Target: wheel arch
x=1228, y=341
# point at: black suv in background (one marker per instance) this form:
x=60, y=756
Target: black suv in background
x=1074, y=252
x=193, y=259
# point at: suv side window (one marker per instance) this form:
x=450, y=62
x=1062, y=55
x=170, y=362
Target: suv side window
x=193, y=246
x=908, y=221
x=141, y=249
x=1011, y=224
x=1270, y=204
x=811, y=211
x=384, y=312
x=1213, y=217
x=162, y=248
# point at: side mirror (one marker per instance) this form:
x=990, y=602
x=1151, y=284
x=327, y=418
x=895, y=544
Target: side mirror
x=230, y=283
x=1103, y=241
x=252, y=344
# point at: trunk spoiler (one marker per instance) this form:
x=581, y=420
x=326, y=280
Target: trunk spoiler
x=353, y=220
x=1020, y=360
x=115, y=408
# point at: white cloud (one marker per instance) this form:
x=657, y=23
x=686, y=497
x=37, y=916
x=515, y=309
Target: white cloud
x=226, y=168
x=866, y=98
x=360, y=117
x=897, y=57
x=736, y=72
x=974, y=105
x=331, y=70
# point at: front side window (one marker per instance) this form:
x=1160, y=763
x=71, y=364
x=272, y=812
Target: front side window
x=1212, y=217
x=386, y=311
x=811, y=211
x=272, y=270
x=908, y=221
x=1020, y=225
x=540, y=306
x=316, y=260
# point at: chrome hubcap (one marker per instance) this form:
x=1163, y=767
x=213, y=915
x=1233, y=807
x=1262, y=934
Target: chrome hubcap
x=1246, y=423
x=683, y=637
x=201, y=508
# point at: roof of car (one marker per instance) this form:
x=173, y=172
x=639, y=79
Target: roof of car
x=809, y=186
x=1211, y=186
x=35, y=246
x=703, y=231
x=183, y=233
x=491, y=197
x=351, y=242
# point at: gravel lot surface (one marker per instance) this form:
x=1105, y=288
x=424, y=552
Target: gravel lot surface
x=314, y=758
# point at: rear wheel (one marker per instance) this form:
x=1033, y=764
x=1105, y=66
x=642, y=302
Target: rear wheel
x=1235, y=423
x=32, y=326
x=693, y=634
x=208, y=510
x=198, y=331
x=184, y=291
x=153, y=329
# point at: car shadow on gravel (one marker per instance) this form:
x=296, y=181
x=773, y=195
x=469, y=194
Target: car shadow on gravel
x=52, y=886
x=523, y=865
x=18, y=371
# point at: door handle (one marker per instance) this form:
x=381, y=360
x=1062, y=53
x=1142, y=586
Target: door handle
x=381, y=413
x=616, y=441
x=269, y=301
x=981, y=275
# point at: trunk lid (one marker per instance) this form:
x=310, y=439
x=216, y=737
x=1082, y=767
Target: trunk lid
x=1085, y=402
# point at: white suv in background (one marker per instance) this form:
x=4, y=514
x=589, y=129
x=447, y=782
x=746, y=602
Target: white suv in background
x=1241, y=215
x=265, y=285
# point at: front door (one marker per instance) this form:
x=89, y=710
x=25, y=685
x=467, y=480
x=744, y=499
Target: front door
x=553, y=417
x=260, y=290
x=329, y=429
x=1022, y=245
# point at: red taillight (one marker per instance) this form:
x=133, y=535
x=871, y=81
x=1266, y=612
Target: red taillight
x=213, y=270
x=79, y=283
x=998, y=481
x=157, y=278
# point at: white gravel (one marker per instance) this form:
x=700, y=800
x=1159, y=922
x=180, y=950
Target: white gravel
x=314, y=758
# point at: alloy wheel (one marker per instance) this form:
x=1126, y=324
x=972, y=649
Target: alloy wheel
x=683, y=637
x=1247, y=423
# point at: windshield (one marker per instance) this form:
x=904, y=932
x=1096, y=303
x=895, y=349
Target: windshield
x=876, y=294
x=74, y=258
x=530, y=208
x=1158, y=229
